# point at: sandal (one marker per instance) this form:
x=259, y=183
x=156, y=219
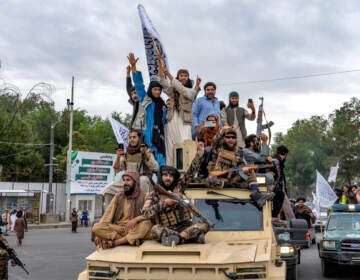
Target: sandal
x=107, y=244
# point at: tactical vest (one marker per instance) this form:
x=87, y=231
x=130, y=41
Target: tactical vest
x=133, y=163
x=230, y=116
x=171, y=217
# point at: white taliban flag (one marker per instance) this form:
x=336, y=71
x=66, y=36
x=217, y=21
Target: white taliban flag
x=121, y=132
x=333, y=173
x=150, y=33
x=324, y=193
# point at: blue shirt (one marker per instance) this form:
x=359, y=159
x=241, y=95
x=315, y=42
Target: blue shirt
x=203, y=107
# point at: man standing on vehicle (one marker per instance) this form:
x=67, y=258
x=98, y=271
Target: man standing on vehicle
x=234, y=116
x=122, y=222
x=281, y=200
x=173, y=222
x=204, y=106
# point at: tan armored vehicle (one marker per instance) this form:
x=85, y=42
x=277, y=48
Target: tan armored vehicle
x=241, y=245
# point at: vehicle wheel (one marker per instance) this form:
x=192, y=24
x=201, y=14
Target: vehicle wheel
x=327, y=268
x=299, y=257
x=291, y=273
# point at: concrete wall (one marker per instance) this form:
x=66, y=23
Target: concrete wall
x=9, y=198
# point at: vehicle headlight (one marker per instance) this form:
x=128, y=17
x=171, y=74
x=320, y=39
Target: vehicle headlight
x=286, y=250
x=329, y=245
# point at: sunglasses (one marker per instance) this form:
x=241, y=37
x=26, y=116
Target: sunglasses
x=230, y=137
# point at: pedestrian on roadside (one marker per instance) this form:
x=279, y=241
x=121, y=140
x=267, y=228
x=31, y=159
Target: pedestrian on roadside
x=20, y=227
x=74, y=220
x=13, y=219
x=85, y=218
x=6, y=219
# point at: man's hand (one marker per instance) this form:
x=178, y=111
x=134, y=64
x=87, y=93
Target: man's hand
x=13, y=263
x=251, y=106
x=197, y=84
x=130, y=225
x=119, y=152
x=132, y=60
x=147, y=153
x=170, y=201
x=200, y=147
x=264, y=138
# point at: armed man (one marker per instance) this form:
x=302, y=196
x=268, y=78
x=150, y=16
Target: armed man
x=173, y=221
x=136, y=158
x=4, y=255
x=224, y=166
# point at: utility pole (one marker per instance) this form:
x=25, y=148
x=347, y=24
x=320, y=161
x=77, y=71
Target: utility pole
x=50, y=195
x=70, y=104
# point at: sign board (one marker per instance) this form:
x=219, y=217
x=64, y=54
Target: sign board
x=91, y=172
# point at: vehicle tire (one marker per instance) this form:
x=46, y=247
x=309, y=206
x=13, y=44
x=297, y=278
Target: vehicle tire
x=327, y=268
x=299, y=257
x=291, y=273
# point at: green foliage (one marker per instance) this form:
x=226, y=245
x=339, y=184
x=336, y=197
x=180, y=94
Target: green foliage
x=319, y=143
x=29, y=122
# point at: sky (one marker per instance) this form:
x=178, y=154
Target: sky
x=239, y=45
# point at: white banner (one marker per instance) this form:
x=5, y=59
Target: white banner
x=333, y=173
x=149, y=32
x=121, y=132
x=324, y=193
x=91, y=172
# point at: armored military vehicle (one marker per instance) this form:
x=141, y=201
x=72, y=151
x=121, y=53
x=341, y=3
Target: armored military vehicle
x=242, y=245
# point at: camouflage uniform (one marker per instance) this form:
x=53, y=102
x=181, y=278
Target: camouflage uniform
x=216, y=159
x=170, y=220
x=4, y=259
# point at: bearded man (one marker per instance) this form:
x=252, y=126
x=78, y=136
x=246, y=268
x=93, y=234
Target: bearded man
x=224, y=155
x=235, y=116
x=137, y=158
x=179, y=115
x=122, y=222
x=173, y=223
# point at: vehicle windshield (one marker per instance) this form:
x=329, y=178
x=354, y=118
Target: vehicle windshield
x=344, y=221
x=231, y=214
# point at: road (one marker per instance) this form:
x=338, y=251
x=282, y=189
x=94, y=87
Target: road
x=55, y=254
x=310, y=267
x=58, y=254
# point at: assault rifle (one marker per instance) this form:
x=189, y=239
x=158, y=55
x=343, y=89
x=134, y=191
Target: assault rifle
x=260, y=126
x=183, y=203
x=13, y=256
x=240, y=170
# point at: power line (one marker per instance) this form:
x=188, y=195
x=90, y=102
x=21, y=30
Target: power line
x=291, y=77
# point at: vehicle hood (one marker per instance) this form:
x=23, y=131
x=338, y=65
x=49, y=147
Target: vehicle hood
x=212, y=252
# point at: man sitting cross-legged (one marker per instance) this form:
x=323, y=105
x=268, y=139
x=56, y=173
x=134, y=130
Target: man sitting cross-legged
x=173, y=223
x=122, y=222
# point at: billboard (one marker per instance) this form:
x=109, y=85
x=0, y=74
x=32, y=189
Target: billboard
x=91, y=172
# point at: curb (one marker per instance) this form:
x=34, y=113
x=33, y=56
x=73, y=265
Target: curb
x=45, y=226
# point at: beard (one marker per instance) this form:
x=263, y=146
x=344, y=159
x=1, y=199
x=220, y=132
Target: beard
x=128, y=190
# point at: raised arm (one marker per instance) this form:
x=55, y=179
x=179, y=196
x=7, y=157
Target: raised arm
x=137, y=77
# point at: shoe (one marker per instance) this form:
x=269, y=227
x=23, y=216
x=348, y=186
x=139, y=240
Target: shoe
x=260, y=198
x=171, y=240
x=200, y=238
x=138, y=242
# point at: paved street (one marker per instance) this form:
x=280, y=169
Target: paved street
x=310, y=268
x=55, y=254
x=58, y=254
